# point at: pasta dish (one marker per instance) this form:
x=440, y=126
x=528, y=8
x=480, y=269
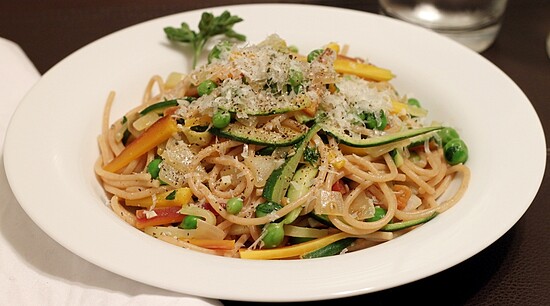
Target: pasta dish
x=267, y=153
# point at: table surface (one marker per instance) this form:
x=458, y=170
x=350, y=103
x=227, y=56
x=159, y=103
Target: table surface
x=514, y=270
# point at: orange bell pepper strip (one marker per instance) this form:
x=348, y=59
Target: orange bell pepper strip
x=156, y=134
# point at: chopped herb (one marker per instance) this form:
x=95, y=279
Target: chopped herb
x=311, y=155
x=171, y=196
x=199, y=128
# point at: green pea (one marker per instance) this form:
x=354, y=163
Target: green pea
x=221, y=119
x=189, y=222
x=234, y=205
x=218, y=49
x=154, y=167
x=447, y=134
x=274, y=235
x=374, y=122
x=413, y=102
x=456, y=151
x=313, y=55
x=296, y=78
x=266, y=208
x=206, y=87
x=379, y=213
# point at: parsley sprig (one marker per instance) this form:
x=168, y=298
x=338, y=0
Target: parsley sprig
x=209, y=26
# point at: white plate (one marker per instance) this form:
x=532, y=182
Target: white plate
x=51, y=147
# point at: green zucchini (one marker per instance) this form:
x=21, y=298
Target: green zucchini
x=158, y=106
x=390, y=227
x=376, y=141
x=279, y=180
x=397, y=157
x=267, y=109
x=302, y=182
x=334, y=248
x=322, y=219
x=284, y=137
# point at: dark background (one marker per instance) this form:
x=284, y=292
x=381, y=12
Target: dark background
x=514, y=270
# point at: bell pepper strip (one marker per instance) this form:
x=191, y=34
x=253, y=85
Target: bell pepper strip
x=177, y=197
x=156, y=134
x=293, y=250
x=158, y=216
x=366, y=71
x=212, y=243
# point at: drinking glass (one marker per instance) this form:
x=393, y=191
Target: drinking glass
x=474, y=23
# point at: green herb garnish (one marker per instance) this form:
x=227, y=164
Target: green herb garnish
x=209, y=26
x=171, y=196
x=311, y=155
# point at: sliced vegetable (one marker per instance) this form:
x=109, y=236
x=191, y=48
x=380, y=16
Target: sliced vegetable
x=284, y=137
x=367, y=71
x=413, y=110
x=342, y=137
x=178, y=197
x=300, y=102
x=334, y=248
x=158, y=133
x=293, y=250
x=158, y=216
x=405, y=224
x=159, y=106
x=397, y=157
x=279, y=180
x=300, y=185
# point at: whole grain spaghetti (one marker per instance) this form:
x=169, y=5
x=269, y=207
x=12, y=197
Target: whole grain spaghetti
x=264, y=153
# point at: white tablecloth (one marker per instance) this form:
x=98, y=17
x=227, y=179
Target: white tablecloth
x=34, y=269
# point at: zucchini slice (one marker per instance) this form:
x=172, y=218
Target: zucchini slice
x=279, y=180
x=270, y=107
x=302, y=183
x=342, y=137
x=159, y=106
x=284, y=137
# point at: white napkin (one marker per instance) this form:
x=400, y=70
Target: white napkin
x=34, y=269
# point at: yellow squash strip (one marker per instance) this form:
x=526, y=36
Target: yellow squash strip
x=294, y=250
x=366, y=71
x=399, y=107
x=159, y=132
x=178, y=197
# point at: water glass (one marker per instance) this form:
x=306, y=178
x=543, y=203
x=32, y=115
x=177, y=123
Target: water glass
x=474, y=23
